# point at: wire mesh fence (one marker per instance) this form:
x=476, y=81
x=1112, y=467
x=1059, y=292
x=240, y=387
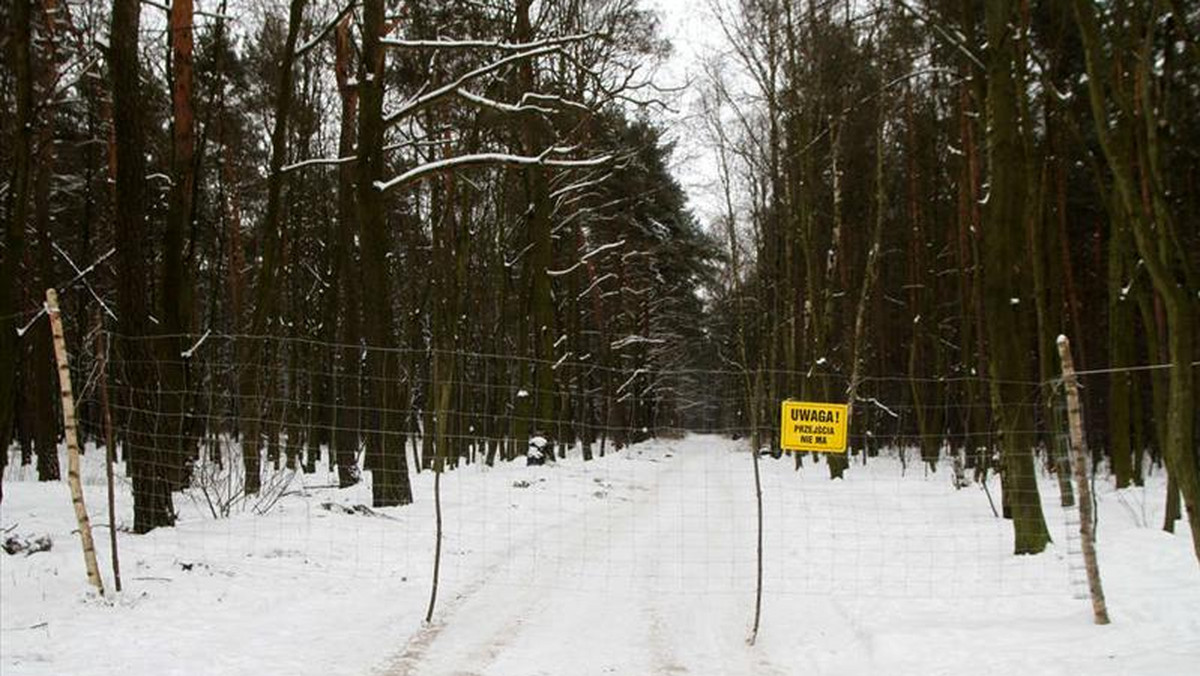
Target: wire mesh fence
x=269, y=454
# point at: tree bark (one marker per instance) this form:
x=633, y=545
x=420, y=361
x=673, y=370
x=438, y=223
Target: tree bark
x=152, y=505
x=1087, y=522
x=40, y=368
x=14, y=227
x=1120, y=353
x=385, y=454
x=1152, y=223
x=1004, y=284
x=175, y=300
x=72, y=439
x=348, y=364
x=254, y=357
x=541, y=303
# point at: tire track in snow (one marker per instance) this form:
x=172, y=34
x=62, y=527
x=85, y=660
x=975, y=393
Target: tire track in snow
x=674, y=618
x=714, y=624
x=411, y=659
x=488, y=617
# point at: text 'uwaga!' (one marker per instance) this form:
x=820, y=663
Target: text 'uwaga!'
x=813, y=426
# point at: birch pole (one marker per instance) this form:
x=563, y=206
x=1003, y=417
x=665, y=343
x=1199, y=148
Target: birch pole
x=1086, y=519
x=68, y=409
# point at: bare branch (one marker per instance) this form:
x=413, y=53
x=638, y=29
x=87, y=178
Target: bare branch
x=316, y=39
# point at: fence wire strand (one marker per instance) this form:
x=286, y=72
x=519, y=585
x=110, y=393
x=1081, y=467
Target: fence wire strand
x=665, y=500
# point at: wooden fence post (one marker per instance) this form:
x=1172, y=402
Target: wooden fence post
x=110, y=449
x=1086, y=518
x=68, y=409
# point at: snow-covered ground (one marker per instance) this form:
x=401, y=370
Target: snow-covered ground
x=638, y=563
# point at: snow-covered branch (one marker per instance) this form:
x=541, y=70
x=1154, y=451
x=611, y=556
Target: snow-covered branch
x=560, y=273
x=319, y=161
x=420, y=143
x=595, y=284
x=635, y=340
x=478, y=159
x=82, y=273
x=602, y=248
x=187, y=354
x=580, y=186
x=502, y=106
x=547, y=98
x=421, y=101
x=486, y=44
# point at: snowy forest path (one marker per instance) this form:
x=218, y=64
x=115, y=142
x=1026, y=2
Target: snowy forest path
x=640, y=582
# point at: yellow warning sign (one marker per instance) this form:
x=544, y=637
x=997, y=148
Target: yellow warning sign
x=813, y=426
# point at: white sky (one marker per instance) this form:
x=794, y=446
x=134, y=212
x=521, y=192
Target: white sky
x=694, y=34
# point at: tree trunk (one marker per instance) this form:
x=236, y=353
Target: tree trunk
x=254, y=357
x=1120, y=353
x=348, y=362
x=1143, y=201
x=152, y=505
x=385, y=454
x=1004, y=285
x=175, y=299
x=870, y=274
x=541, y=303
x=1171, y=508
x=40, y=368
x=18, y=210
x=838, y=462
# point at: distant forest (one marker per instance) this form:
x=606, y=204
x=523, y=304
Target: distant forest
x=359, y=225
